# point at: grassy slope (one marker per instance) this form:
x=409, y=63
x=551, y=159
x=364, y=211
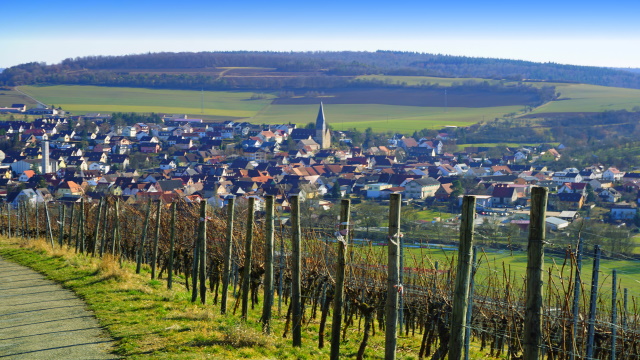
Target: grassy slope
x=83, y=99
x=150, y=322
x=591, y=98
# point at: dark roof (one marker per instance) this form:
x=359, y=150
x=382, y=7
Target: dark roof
x=302, y=134
x=427, y=181
x=503, y=192
x=170, y=185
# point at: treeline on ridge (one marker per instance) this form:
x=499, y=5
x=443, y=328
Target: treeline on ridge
x=315, y=69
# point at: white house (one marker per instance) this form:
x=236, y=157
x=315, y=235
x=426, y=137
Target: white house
x=375, y=190
x=612, y=174
x=421, y=188
x=623, y=212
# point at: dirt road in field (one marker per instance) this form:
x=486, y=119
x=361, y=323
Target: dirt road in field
x=41, y=320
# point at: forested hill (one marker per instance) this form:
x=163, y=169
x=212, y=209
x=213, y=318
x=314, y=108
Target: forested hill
x=278, y=70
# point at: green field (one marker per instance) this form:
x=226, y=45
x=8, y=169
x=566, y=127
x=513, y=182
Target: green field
x=238, y=105
x=86, y=99
x=492, y=262
x=591, y=98
x=9, y=97
x=574, y=97
x=381, y=117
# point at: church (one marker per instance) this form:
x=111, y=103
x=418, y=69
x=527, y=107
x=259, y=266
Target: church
x=320, y=135
x=323, y=134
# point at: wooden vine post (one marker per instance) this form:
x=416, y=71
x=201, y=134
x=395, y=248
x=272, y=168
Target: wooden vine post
x=154, y=259
x=61, y=212
x=37, y=208
x=248, y=250
x=46, y=210
x=70, y=232
x=116, y=229
x=268, y=267
x=463, y=277
x=228, y=252
x=143, y=239
x=338, y=296
x=394, y=288
x=82, y=227
x=202, y=252
x=96, y=228
x=296, y=301
x=172, y=241
x=9, y=218
x=532, y=338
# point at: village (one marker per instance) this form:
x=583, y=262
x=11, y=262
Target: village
x=69, y=158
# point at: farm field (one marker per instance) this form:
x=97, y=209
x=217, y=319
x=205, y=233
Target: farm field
x=85, y=99
x=344, y=110
x=590, y=98
x=574, y=97
x=421, y=80
x=9, y=97
x=381, y=117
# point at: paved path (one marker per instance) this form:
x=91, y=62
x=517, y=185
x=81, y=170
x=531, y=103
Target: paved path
x=41, y=320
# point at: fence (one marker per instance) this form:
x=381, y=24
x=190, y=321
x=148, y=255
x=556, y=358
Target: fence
x=391, y=289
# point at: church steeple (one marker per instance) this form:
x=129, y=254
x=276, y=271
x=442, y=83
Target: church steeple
x=323, y=135
x=321, y=123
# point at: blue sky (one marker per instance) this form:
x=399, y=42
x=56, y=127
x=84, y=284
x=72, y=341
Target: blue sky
x=570, y=31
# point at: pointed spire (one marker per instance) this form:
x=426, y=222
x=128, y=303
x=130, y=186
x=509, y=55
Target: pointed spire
x=320, y=121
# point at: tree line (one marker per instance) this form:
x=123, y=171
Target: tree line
x=311, y=66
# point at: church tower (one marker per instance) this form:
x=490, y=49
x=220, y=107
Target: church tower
x=323, y=134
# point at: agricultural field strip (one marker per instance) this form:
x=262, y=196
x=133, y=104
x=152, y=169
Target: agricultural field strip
x=94, y=98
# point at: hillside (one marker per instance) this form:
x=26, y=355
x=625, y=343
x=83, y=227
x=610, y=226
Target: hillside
x=295, y=70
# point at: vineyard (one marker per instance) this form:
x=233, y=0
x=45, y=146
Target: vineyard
x=237, y=257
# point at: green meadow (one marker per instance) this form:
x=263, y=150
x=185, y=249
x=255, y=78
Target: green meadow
x=86, y=99
x=590, y=98
x=381, y=117
x=494, y=264
x=9, y=97
x=573, y=98
x=217, y=105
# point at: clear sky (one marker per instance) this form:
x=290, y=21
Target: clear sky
x=606, y=33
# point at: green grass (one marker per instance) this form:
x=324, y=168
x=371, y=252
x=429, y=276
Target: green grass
x=85, y=99
x=381, y=117
x=574, y=97
x=590, y=98
x=9, y=97
x=237, y=105
x=492, y=262
x=150, y=322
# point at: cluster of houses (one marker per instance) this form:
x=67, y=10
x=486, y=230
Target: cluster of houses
x=196, y=160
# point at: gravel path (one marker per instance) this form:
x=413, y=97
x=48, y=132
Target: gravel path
x=41, y=320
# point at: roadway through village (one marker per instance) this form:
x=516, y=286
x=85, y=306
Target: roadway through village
x=41, y=320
